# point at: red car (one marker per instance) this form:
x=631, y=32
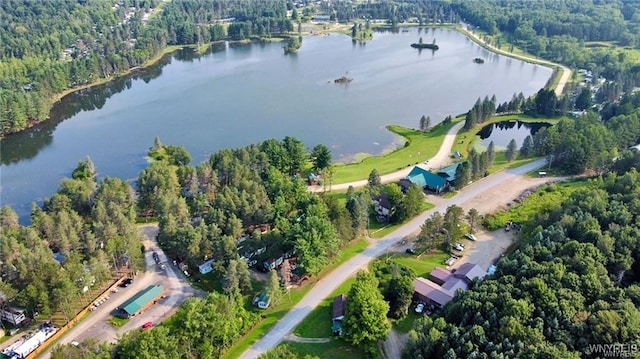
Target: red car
x=147, y=325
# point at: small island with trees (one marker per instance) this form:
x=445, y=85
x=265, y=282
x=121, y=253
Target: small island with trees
x=422, y=45
x=293, y=45
x=343, y=80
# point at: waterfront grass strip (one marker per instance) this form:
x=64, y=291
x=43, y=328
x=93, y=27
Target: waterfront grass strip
x=419, y=147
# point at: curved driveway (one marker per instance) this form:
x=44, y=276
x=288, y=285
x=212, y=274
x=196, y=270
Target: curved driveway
x=324, y=287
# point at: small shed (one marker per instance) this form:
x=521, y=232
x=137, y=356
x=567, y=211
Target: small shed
x=262, y=300
x=206, y=267
x=339, y=303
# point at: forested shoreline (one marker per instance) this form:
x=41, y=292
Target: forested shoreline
x=570, y=283
x=49, y=47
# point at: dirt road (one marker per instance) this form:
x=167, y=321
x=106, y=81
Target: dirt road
x=325, y=286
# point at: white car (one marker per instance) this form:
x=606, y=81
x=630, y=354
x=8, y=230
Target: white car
x=471, y=237
x=419, y=308
x=458, y=247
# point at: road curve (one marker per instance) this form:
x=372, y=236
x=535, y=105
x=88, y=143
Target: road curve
x=566, y=72
x=325, y=286
x=442, y=158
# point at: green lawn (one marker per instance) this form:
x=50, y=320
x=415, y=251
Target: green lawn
x=118, y=322
x=318, y=323
x=421, y=266
x=420, y=147
x=406, y=324
x=335, y=349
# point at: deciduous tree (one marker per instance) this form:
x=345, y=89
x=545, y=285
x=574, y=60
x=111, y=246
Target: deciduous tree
x=366, y=311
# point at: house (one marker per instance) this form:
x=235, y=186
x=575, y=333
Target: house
x=13, y=315
x=427, y=180
x=405, y=184
x=141, y=301
x=262, y=300
x=382, y=207
x=449, y=172
x=206, y=267
x=320, y=19
x=339, y=303
x=442, y=285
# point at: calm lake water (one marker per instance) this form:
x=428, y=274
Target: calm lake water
x=238, y=95
x=501, y=133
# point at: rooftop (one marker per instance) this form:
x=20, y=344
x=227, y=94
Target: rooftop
x=424, y=178
x=134, y=304
x=338, y=306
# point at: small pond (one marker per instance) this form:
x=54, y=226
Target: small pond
x=501, y=133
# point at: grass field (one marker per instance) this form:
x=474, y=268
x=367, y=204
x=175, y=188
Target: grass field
x=335, y=349
x=420, y=147
x=423, y=265
x=318, y=323
x=118, y=322
x=542, y=201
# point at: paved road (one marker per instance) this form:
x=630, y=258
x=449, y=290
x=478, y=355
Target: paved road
x=176, y=291
x=328, y=284
x=441, y=159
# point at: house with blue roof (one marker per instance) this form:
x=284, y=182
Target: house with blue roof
x=427, y=180
x=449, y=172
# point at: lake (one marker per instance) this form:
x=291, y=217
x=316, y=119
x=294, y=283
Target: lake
x=501, y=133
x=242, y=94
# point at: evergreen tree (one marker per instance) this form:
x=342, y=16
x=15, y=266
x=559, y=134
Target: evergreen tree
x=527, y=147
x=511, y=153
x=491, y=153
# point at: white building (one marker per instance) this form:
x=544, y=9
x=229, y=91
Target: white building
x=13, y=315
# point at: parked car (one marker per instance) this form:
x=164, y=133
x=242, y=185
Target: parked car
x=451, y=260
x=471, y=237
x=458, y=247
x=147, y=325
x=126, y=282
x=419, y=308
x=410, y=251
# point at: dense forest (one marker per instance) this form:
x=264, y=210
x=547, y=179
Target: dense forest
x=83, y=235
x=571, y=283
